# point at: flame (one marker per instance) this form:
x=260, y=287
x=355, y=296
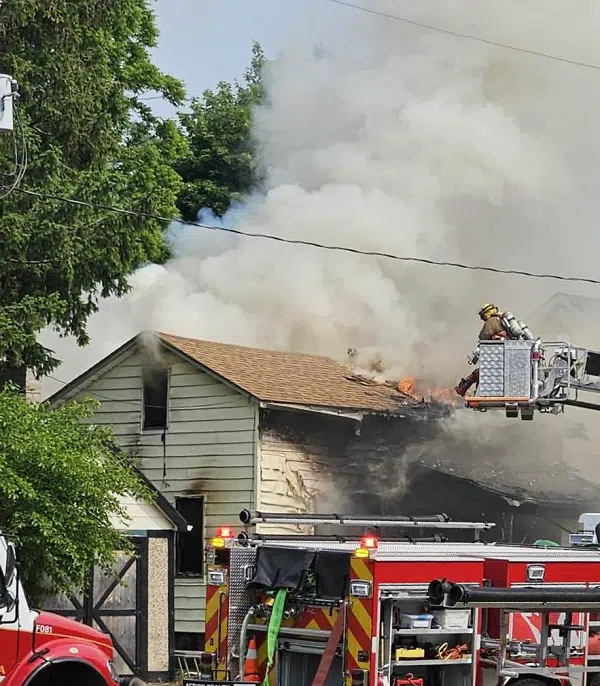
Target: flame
x=410, y=386
x=407, y=385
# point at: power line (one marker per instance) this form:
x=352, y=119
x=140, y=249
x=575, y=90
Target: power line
x=466, y=36
x=310, y=244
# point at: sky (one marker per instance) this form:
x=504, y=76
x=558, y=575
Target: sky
x=205, y=41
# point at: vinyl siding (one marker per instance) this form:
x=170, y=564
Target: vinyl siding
x=142, y=516
x=209, y=450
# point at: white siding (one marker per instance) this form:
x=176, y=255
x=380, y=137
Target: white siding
x=290, y=480
x=210, y=450
x=142, y=516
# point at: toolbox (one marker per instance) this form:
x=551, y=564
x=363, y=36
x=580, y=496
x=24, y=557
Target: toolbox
x=409, y=621
x=408, y=680
x=452, y=619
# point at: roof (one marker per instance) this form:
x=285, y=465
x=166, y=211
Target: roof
x=289, y=378
x=170, y=512
x=559, y=486
x=270, y=376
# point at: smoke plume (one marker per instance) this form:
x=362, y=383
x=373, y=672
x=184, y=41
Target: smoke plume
x=402, y=140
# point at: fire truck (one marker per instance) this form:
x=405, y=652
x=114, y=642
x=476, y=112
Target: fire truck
x=306, y=609
x=43, y=649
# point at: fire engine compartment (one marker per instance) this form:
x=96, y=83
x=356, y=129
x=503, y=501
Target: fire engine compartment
x=390, y=630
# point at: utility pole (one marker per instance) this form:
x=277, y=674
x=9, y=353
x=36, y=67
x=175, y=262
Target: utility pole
x=8, y=93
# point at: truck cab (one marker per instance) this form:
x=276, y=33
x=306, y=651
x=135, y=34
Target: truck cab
x=43, y=649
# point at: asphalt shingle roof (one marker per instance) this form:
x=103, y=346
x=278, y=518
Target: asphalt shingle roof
x=290, y=378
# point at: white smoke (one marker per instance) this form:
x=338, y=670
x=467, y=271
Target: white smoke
x=400, y=140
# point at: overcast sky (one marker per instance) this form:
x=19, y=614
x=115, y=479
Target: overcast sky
x=205, y=41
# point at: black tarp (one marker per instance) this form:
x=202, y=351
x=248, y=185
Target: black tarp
x=281, y=568
x=332, y=570
x=290, y=567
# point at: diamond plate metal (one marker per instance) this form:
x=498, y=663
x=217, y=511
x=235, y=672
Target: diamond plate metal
x=491, y=370
x=239, y=598
x=517, y=368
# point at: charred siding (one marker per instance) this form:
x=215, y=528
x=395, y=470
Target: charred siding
x=321, y=463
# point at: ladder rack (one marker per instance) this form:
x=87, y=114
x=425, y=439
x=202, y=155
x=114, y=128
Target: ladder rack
x=438, y=521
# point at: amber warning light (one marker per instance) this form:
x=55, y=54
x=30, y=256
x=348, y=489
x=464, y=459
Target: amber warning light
x=223, y=535
x=367, y=544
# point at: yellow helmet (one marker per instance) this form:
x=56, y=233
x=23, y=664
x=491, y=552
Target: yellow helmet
x=487, y=311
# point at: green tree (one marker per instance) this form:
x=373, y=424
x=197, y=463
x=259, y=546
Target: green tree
x=220, y=165
x=61, y=479
x=83, y=68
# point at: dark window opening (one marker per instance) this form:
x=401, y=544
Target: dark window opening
x=189, y=641
x=156, y=393
x=190, y=544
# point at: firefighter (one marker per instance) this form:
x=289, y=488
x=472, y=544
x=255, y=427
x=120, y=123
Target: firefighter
x=493, y=329
x=493, y=326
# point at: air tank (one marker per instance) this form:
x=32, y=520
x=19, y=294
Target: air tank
x=526, y=331
x=512, y=325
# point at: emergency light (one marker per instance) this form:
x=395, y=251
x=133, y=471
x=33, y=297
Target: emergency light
x=225, y=532
x=217, y=577
x=367, y=543
x=223, y=535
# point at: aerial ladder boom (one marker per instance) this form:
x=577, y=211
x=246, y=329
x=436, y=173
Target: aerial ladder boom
x=522, y=376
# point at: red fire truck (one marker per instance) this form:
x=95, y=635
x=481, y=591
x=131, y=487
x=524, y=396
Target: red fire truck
x=42, y=649
x=323, y=610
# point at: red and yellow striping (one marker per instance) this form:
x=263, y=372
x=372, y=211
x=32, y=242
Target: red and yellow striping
x=360, y=619
x=215, y=630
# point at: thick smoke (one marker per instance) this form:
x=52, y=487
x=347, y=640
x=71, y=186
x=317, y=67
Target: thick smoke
x=401, y=140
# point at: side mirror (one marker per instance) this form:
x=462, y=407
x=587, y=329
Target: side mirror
x=10, y=570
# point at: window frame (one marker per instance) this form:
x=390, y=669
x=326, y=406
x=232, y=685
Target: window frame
x=153, y=429
x=191, y=576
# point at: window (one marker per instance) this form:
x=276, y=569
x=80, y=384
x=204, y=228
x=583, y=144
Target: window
x=190, y=544
x=155, y=396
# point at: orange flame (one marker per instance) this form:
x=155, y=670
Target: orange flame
x=410, y=386
x=407, y=385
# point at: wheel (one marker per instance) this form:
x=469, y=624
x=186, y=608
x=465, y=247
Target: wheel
x=528, y=681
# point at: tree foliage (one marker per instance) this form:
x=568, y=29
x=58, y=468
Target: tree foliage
x=220, y=165
x=83, y=68
x=61, y=478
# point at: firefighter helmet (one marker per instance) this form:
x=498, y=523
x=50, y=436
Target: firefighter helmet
x=487, y=311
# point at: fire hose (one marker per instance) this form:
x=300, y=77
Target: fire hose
x=273, y=631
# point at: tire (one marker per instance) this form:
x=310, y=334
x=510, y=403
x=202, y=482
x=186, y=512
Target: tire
x=529, y=681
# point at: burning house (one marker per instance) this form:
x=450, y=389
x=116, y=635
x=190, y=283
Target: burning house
x=218, y=428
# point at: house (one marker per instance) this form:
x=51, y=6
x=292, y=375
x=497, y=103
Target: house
x=135, y=603
x=218, y=428
x=568, y=317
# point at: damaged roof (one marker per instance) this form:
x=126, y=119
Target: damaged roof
x=290, y=378
x=270, y=376
x=557, y=484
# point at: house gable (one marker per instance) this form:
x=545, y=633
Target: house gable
x=208, y=449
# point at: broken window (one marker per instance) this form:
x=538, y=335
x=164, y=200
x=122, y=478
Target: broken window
x=155, y=398
x=190, y=544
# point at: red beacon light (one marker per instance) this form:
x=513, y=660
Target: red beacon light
x=225, y=532
x=368, y=543
x=223, y=535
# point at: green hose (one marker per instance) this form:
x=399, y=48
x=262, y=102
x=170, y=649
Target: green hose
x=273, y=630
x=544, y=543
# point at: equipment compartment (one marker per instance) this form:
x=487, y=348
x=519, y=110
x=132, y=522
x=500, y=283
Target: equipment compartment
x=436, y=654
